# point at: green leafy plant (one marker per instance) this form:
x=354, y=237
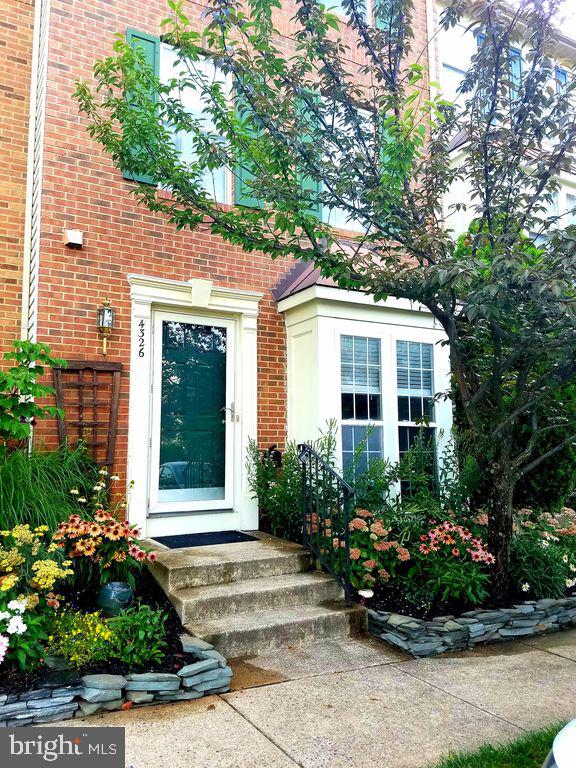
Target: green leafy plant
x=275, y=479
x=139, y=635
x=35, y=487
x=80, y=638
x=19, y=386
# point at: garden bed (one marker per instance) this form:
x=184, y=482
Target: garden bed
x=13, y=680
x=63, y=694
x=421, y=637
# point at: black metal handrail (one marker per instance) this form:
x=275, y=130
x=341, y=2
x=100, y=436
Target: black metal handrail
x=326, y=502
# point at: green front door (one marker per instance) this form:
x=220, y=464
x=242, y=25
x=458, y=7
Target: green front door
x=192, y=459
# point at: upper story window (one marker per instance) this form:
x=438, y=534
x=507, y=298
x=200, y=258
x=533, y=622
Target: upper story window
x=361, y=397
x=215, y=181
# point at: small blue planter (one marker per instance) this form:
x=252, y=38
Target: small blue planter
x=114, y=597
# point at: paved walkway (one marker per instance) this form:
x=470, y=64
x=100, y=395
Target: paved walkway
x=358, y=703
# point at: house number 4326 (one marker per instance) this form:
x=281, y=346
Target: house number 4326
x=141, y=337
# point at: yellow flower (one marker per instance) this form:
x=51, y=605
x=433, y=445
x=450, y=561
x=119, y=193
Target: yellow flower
x=8, y=582
x=22, y=534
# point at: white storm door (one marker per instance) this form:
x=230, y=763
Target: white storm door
x=193, y=419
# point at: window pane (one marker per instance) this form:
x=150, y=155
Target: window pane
x=375, y=410
x=374, y=351
x=402, y=378
x=403, y=409
x=347, y=439
x=360, y=351
x=375, y=441
x=414, y=355
x=347, y=378
x=347, y=405
x=415, y=408
x=361, y=402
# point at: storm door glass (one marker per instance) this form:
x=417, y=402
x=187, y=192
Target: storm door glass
x=192, y=413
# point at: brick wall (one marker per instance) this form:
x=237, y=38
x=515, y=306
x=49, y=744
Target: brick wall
x=81, y=189
x=16, y=24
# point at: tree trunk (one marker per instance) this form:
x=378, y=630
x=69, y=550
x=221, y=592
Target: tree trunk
x=500, y=521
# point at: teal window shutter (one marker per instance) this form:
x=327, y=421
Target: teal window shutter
x=243, y=176
x=307, y=183
x=150, y=46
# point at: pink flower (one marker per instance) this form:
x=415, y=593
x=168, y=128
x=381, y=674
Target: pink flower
x=152, y=557
x=384, y=575
x=133, y=550
x=456, y=552
x=358, y=524
x=403, y=554
x=354, y=553
x=364, y=513
x=370, y=564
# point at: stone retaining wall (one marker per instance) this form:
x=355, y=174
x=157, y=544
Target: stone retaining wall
x=450, y=633
x=64, y=694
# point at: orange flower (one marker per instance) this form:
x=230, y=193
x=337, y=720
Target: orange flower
x=354, y=553
x=364, y=513
x=114, y=532
x=357, y=524
x=94, y=529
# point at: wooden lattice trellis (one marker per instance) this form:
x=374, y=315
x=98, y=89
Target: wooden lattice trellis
x=88, y=391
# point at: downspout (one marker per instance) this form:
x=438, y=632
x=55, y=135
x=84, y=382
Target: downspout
x=32, y=211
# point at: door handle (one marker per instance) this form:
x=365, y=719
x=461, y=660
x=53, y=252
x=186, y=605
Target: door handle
x=232, y=409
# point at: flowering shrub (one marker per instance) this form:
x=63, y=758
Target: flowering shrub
x=374, y=556
x=544, y=552
x=80, y=638
x=451, y=565
x=28, y=565
x=22, y=634
x=30, y=569
x=101, y=547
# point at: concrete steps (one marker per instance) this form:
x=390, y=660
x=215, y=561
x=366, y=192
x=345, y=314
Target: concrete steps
x=253, y=597
x=285, y=591
x=247, y=634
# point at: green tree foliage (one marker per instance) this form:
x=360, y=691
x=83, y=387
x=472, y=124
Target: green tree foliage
x=315, y=132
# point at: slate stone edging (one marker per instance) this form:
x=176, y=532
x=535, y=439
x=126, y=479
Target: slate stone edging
x=422, y=638
x=58, y=698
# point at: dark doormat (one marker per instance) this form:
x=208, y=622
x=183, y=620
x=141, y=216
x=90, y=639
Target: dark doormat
x=203, y=539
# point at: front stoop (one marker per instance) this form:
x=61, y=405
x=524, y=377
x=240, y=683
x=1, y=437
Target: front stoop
x=253, y=597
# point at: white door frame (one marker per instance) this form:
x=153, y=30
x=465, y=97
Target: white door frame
x=193, y=298
x=227, y=502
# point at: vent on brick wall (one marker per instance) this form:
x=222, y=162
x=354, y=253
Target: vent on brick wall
x=88, y=392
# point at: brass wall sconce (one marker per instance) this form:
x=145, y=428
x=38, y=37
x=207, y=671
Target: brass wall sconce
x=105, y=319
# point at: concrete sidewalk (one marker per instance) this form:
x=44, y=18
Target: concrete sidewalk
x=352, y=702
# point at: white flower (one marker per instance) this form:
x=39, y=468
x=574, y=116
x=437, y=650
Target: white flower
x=74, y=491
x=366, y=593
x=570, y=583
x=103, y=471
x=525, y=587
x=564, y=558
x=82, y=500
x=3, y=647
x=544, y=544
x=115, y=477
x=4, y=615
x=17, y=605
x=16, y=626
x=572, y=568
